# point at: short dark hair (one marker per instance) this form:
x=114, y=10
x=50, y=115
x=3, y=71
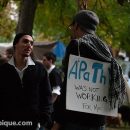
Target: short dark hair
x=18, y=37
x=50, y=56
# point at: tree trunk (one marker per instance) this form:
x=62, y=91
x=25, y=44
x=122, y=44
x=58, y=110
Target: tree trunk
x=26, y=16
x=82, y=4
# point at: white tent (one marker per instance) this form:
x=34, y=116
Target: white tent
x=39, y=48
x=4, y=46
x=42, y=47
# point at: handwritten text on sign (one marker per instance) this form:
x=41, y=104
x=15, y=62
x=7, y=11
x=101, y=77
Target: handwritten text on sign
x=87, y=86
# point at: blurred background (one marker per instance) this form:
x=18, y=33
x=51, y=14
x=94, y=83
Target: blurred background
x=48, y=21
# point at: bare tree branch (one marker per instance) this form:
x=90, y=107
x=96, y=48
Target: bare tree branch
x=82, y=4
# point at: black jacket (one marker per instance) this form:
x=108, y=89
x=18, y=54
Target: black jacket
x=63, y=115
x=29, y=99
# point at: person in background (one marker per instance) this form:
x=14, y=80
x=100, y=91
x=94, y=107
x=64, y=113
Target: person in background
x=85, y=43
x=49, y=60
x=128, y=78
x=127, y=83
x=25, y=91
x=3, y=59
x=9, y=52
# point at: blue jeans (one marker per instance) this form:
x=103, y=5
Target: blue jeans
x=71, y=126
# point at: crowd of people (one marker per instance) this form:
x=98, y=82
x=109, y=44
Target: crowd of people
x=34, y=91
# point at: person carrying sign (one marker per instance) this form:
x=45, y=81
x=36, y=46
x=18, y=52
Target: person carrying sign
x=86, y=44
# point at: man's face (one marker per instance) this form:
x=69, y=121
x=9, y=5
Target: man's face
x=47, y=63
x=73, y=29
x=24, y=46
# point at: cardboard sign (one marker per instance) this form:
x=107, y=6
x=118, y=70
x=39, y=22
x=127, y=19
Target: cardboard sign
x=87, y=86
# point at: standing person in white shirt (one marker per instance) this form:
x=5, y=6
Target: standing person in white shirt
x=25, y=90
x=49, y=59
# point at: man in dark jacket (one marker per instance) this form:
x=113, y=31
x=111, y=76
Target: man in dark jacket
x=25, y=91
x=49, y=60
x=86, y=44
